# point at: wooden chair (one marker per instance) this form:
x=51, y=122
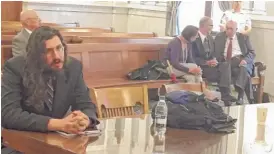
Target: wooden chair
x=120, y=101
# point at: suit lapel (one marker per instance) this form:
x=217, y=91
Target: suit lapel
x=211, y=44
x=223, y=41
x=200, y=44
x=61, y=93
x=241, y=43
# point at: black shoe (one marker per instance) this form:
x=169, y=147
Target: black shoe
x=252, y=101
x=229, y=98
x=240, y=101
x=227, y=103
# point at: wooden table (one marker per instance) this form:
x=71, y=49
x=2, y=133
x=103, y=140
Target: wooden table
x=133, y=136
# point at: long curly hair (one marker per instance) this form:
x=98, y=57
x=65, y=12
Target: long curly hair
x=36, y=67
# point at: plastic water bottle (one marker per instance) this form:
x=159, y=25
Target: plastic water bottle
x=159, y=145
x=160, y=117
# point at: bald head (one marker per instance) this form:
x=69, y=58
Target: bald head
x=231, y=28
x=30, y=19
x=205, y=25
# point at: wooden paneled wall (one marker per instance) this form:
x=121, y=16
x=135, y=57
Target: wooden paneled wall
x=10, y=10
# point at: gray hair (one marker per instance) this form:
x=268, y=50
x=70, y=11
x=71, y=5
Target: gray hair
x=204, y=20
x=234, y=23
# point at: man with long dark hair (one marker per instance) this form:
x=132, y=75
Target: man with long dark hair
x=39, y=88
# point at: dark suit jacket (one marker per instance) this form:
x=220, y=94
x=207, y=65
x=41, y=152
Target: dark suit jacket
x=70, y=91
x=19, y=43
x=198, y=52
x=175, y=56
x=247, y=51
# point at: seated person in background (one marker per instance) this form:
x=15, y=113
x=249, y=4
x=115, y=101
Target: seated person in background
x=39, y=88
x=236, y=56
x=236, y=14
x=30, y=21
x=203, y=50
x=179, y=53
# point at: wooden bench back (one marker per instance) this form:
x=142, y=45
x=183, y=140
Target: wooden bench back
x=8, y=32
x=111, y=60
x=120, y=35
x=121, y=101
x=128, y=55
x=82, y=29
x=6, y=39
x=5, y=53
x=92, y=39
x=16, y=26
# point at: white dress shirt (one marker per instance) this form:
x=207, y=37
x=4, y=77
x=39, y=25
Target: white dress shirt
x=202, y=36
x=236, y=50
x=28, y=31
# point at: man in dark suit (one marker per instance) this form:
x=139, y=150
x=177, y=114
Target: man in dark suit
x=203, y=50
x=30, y=21
x=236, y=56
x=39, y=88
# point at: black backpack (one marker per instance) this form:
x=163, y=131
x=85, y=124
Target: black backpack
x=198, y=114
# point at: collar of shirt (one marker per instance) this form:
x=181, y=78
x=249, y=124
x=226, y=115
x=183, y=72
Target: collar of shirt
x=29, y=31
x=233, y=11
x=233, y=37
x=202, y=36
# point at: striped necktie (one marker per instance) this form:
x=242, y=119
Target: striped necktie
x=206, y=47
x=50, y=94
x=229, y=50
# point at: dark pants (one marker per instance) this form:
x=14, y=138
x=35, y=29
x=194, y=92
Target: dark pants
x=211, y=74
x=232, y=73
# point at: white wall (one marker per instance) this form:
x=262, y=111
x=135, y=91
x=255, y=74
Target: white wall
x=269, y=8
x=123, y=17
x=262, y=40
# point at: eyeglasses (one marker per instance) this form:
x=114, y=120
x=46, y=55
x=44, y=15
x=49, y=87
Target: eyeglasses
x=230, y=28
x=60, y=48
x=35, y=19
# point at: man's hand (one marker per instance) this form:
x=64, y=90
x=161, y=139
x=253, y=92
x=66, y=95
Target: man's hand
x=84, y=119
x=243, y=62
x=212, y=63
x=195, y=70
x=74, y=123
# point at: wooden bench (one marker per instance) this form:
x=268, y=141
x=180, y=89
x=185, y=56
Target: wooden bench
x=107, y=64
